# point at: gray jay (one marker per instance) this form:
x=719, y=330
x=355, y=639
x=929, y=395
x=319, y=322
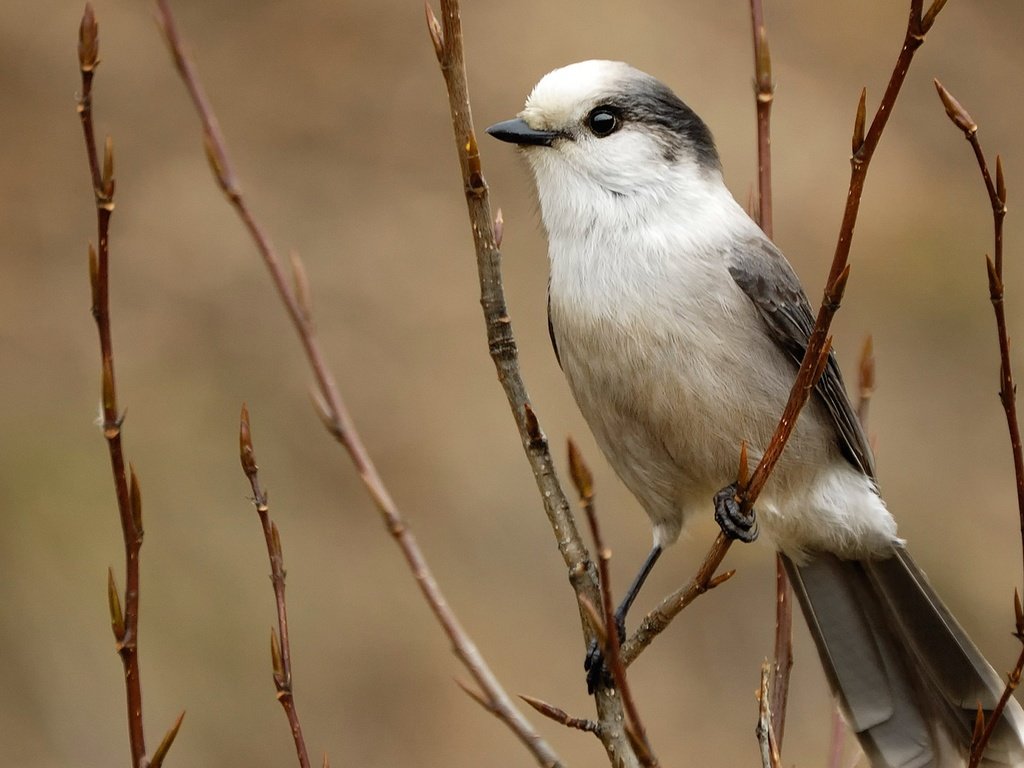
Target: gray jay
x=679, y=327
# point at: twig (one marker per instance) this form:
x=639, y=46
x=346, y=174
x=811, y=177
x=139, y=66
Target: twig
x=446, y=34
x=560, y=715
x=584, y=482
x=997, y=198
x=280, y=650
x=334, y=413
x=819, y=344
x=764, y=93
x=124, y=621
x=765, y=732
x=1007, y=388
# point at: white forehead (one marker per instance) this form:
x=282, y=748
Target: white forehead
x=562, y=95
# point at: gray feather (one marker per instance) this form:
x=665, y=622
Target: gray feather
x=769, y=282
x=907, y=676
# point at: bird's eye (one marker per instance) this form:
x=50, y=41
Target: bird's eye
x=602, y=122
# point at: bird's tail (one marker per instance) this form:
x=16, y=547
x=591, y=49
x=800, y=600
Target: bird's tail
x=908, y=677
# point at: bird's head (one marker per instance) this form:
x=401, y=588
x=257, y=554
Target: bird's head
x=606, y=129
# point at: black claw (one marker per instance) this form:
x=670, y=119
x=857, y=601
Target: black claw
x=730, y=517
x=598, y=675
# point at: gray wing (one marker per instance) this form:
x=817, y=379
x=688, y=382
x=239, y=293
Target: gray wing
x=763, y=273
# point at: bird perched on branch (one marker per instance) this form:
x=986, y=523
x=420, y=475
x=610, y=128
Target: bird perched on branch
x=680, y=327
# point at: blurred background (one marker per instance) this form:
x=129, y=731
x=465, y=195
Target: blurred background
x=338, y=122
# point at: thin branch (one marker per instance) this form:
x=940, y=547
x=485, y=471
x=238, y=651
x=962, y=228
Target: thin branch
x=765, y=733
x=583, y=480
x=997, y=198
x=125, y=622
x=764, y=93
x=335, y=414
x=819, y=344
x=446, y=34
x=1007, y=388
x=560, y=715
x=280, y=651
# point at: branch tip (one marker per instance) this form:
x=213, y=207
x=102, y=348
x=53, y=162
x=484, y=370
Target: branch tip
x=763, y=66
x=434, y=28
x=277, y=661
x=720, y=579
x=165, y=744
x=474, y=694
x=955, y=110
x=1000, y=181
x=860, y=121
x=114, y=602
x=135, y=499
x=245, y=448
x=995, y=281
x=88, y=40
x=560, y=716
x=499, y=228
x=300, y=279
x=743, y=473
x=580, y=473
x=108, y=168
x=929, y=17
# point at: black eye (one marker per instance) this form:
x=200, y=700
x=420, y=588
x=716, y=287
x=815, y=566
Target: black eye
x=603, y=121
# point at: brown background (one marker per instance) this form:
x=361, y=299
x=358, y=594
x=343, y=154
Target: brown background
x=339, y=126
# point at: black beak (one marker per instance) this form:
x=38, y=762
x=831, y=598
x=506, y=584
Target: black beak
x=518, y=132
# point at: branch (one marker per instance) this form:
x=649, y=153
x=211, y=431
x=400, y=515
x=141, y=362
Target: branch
x=446, y=35
x=819, y=343
x=584, y=482
x=764, y=93
x=1007, y=388
x=124, y=621
x=765, y=733
x=280, y=651
x=333, y=411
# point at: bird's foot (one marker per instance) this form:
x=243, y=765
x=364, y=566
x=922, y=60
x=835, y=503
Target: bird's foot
x=598, y=674
x=730, y=516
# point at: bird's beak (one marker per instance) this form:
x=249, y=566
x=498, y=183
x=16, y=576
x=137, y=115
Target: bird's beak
x=518, y=132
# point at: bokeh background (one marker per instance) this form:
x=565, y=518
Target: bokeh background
x=338, y=122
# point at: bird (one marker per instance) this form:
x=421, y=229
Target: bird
x=680, y=327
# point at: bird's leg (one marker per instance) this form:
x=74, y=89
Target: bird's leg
x=594, y=661
x=730, y=516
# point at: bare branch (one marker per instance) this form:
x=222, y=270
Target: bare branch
x=1007, y=388
x=280, y=651
x=765, y=733
x=560, y=716
x=583, y=481
x=334, y=412
x=124, y=621
x=446, y=34
x=764, y=93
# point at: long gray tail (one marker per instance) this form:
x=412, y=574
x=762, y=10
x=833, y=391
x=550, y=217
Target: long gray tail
x=908, y=677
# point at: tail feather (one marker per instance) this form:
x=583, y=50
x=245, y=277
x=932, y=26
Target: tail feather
x=908, y=677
